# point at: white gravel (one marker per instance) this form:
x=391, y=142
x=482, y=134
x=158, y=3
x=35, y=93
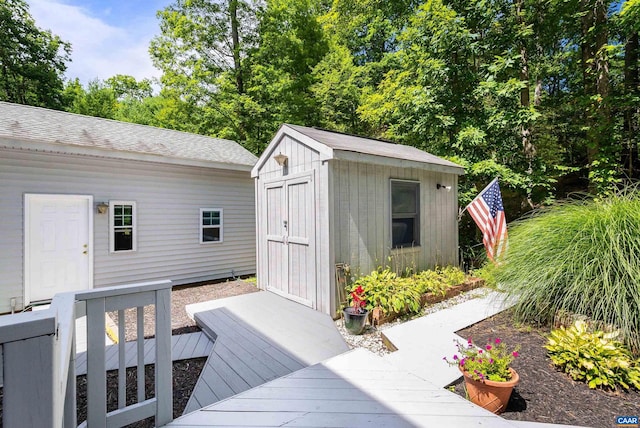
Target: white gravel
x=371, y=339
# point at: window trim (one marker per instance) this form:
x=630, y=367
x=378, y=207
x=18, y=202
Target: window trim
x=112, y=227
x=417, y=216
x=220, y=226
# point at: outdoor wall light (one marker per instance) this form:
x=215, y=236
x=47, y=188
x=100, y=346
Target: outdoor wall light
x=102, y=207
x=281, y=159
x=442, y=186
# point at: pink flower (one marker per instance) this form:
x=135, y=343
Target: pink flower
x=491, y=361
x=498, y=341
x=479, y=351
x=488, y=347
x=455, y=357
x=515, y=354
x=462, y=362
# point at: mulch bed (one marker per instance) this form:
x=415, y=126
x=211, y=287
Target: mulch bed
x=545, y=394
x=185, y=375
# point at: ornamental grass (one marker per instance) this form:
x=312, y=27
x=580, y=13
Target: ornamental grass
x=579, y=256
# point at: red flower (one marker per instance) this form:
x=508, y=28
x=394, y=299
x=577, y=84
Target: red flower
x=515, y=354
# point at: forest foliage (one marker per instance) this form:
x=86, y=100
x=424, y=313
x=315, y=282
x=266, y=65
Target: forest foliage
x=544, y=94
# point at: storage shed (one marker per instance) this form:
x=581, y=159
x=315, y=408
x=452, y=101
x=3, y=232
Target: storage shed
x=90, y=202
x=325, y=199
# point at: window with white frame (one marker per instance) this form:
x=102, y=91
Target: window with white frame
x=122, y=226
x=210, y=225
x=405, y=213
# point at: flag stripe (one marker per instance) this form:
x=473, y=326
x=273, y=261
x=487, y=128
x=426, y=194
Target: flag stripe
x=487, y=212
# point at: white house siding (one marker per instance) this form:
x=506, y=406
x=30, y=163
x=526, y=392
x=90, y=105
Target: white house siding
x=363, y=240
x=168, y=200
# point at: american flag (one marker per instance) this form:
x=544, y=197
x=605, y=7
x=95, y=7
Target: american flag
x=488, y=213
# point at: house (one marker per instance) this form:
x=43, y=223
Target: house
x=88, y=202
x=326, y=199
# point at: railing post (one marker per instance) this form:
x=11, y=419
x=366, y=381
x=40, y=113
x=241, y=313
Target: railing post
x=30, y=382
x=163, y=367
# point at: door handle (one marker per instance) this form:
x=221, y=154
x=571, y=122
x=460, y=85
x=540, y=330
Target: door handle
x=84, y=252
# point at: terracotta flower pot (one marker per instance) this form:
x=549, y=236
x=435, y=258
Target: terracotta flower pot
x=488, y=394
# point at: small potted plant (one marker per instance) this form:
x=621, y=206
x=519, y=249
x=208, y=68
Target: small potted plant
x=355, y=315
x=488, y=377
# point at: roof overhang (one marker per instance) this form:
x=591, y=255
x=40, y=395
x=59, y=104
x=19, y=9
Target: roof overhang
x=325, y=152
x=395, y=162
x=70, y=149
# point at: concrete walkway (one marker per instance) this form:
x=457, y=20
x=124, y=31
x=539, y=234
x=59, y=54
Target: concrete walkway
x=423, y=342
x=358, y=388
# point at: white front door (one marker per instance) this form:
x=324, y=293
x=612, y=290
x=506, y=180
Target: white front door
x=58, y=245
x=290, y=225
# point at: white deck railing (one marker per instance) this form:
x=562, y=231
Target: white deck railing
x=38, y=363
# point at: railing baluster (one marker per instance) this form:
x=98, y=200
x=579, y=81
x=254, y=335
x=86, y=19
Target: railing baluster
x=122, y=363
x=140, y=343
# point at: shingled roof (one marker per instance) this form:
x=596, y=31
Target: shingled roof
x=338, y=145
x=35, y=128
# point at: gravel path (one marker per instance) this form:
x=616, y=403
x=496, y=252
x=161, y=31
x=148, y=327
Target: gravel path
x=371, y=337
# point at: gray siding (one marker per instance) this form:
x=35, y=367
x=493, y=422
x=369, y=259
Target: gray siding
x=168, y=201
x=363, y=239
x=301, y=159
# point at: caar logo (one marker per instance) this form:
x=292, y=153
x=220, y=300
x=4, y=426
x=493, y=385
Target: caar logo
x=625, y=421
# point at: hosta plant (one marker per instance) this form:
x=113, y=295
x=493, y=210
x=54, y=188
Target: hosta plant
x=596, y=358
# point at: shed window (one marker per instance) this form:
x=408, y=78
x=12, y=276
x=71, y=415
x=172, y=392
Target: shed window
x=405, y=213
x=122, y=226
x=210, y=225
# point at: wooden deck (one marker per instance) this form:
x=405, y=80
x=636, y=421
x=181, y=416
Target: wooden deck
x=355, y=389
x=259, y=337
x=183, y=346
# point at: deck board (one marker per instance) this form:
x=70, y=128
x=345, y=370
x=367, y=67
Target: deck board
x=254, y=345
x=355, y=389
x=184, y=346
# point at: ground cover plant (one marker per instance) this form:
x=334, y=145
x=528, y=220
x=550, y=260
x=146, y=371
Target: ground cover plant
x=545, y=393
x=401, y=294
x=582, y=257
x=595, y=357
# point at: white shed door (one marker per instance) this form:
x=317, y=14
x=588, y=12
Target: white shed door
x=58, y=230
x=290, y=228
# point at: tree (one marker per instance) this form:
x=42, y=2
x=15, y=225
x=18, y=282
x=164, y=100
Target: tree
x=32, y=61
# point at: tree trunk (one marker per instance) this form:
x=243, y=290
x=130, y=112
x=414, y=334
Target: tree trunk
x=235, y=45
x=525, y=101
x=631, y=111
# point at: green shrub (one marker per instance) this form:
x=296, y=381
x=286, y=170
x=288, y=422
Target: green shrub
x=451, y=275
x=393, y=293
x=487, y=272
x=430, y=281
x=582, y=257
x=594, y=357
x=384, y=289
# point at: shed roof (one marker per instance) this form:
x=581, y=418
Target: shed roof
x=351, y=147
x=35, y=128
